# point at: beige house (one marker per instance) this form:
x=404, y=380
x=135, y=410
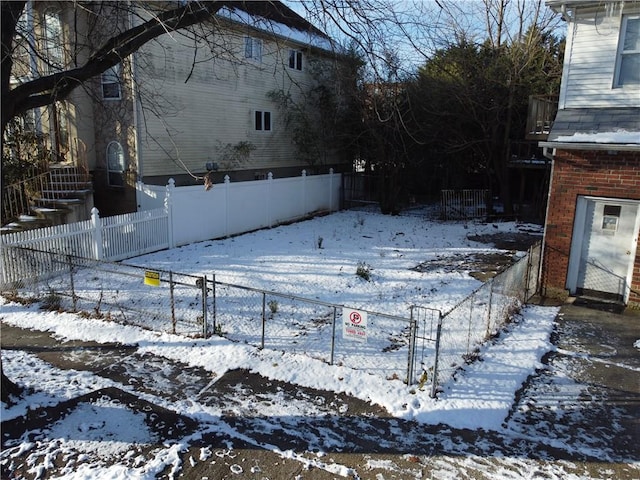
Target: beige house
x=235, y=96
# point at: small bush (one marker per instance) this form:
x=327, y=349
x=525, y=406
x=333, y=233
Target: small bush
x=218, y=330
x=273, y=306
x=363, y=271
x=52, y=301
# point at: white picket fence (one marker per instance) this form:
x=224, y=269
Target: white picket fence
x=173, y=216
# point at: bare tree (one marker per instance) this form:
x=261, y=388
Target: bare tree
x=45, y=90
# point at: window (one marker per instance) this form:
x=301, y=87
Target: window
x=253, y=48
x=295, y=59
x=263, y=120
x=628, y=71
x=111, y=83
x=115, y=164
x=53, y=42
x=610, y=218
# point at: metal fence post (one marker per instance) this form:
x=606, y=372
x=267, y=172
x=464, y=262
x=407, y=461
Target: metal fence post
x=490, y=304
x=74, y=298
x=172, y=304
x=473, y=298
x=434, y=384
x=333, y=335
x=264, y=317
x=213, y=302
x=412, y=347
x=204, y=306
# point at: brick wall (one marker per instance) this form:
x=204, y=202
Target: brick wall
x=593, y=173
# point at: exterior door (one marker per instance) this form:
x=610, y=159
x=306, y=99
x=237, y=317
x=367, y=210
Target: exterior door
x=603, y=247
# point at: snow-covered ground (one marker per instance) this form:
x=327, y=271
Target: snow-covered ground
x=315, y=259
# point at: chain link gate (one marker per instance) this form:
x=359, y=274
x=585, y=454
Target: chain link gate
x=426, y=324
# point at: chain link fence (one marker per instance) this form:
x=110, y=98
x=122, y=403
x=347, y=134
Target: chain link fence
x=441, y=344
x=156, y=300
x=317, y=329
x=425, y=347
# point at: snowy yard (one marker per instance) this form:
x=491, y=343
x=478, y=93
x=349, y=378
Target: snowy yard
x=315, y=259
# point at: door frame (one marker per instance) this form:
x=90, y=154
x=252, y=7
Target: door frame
x=575, y=252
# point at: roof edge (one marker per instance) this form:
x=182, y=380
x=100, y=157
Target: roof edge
x=620, y=147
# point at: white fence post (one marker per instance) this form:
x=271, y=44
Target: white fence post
x=168, y=207
x=304, y=192
x=227, y=181
x=331, y=190
x=96, y=224
x=269, y=199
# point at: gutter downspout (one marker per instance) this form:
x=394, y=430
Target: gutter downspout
x=546, y=218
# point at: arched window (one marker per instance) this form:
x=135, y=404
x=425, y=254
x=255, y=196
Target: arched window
x=115, y=164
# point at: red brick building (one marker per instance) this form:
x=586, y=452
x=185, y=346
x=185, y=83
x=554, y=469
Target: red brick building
x=593, y=214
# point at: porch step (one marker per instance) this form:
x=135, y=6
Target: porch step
x=67, y=197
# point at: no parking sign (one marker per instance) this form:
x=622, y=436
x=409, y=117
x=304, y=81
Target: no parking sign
x=354, y=325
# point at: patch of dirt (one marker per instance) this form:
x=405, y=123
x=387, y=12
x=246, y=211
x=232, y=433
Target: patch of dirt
x=520, y=241
x=484, y=266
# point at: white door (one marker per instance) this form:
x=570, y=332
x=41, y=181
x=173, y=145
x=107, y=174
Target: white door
x=603, y=247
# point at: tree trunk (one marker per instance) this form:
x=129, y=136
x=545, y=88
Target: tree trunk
x=8, y=388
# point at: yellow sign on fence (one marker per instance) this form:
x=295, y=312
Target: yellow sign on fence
x=152, y=278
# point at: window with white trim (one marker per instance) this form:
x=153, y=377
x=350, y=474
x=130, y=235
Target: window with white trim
x=110, y=80
x=253, y=48
x=115, y=164
x=54, y=54
x=262, y=120
x=628, y=62
x=295, y=59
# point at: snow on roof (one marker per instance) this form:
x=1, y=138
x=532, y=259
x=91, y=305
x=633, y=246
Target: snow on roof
x=312, y=36
x=620, y=137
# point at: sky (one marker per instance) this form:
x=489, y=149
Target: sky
x=292, y=259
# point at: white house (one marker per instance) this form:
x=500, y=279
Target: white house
x=593, y=218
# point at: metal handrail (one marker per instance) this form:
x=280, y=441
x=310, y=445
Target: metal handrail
x=17, y=198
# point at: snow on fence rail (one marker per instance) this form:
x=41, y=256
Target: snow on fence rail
x=427, y=347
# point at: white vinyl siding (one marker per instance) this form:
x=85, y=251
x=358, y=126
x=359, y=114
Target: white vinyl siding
x=590, y=63
x=214, y=105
